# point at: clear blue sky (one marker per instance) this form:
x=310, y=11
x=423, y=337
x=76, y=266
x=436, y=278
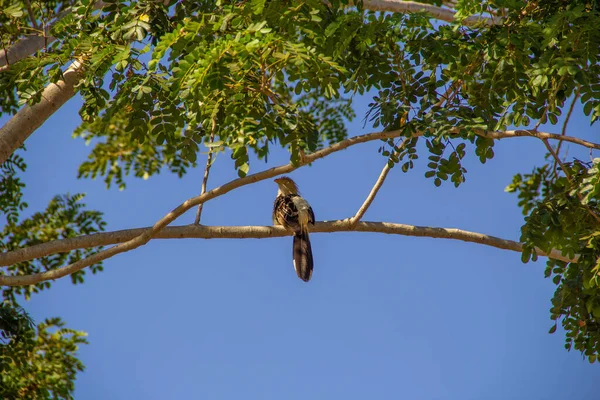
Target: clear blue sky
x=383, y=317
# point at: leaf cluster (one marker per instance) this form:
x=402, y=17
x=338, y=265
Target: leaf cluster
x=562, y=214
x=42, y=364
x=65, y=217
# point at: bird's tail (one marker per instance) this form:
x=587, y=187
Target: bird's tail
x=303, y=259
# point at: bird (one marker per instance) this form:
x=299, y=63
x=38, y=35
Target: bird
x=294, y=213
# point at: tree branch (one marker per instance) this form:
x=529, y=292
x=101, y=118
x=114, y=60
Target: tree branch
x=31, y=14
x=261, y=232
x=440, y=13
x=23, y=48
x=570, y=179
x=536, y=134
x=206, y=169
x=14, y=133
x=563, y=132
x=147, y=235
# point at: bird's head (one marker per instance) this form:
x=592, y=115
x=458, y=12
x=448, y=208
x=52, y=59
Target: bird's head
x=286, y=186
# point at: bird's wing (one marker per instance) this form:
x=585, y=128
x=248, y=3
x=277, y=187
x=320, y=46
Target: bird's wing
x=304, y=212
x=285, y=212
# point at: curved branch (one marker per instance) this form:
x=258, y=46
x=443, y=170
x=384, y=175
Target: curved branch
x=193, y=231
x=186, y=205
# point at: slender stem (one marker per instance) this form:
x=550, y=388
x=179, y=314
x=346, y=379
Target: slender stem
x=553, y=98
x=367, y=203
x=557, y=159
x=569, y=178
x=31, y=14
x=564, y=128
x=207, y=168
x=532, y=133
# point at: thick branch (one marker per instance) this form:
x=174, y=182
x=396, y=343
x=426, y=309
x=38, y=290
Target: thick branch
x=23, y=48
x=178, y=211
x=14, y=133
x=260, y=232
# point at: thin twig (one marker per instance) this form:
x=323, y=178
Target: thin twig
x=553, y=98
x=207, y=168
x=449, y=94
x=31, y=14
x=564, y=128
x=384, y=172
x=367, y=203
x=531, y=133
x=569, y=178
x=557, y=159
x=5, y=54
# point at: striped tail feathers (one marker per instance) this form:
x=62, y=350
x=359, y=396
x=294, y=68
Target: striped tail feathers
x=303, y=258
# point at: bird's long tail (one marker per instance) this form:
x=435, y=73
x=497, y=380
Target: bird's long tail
x=303, y=258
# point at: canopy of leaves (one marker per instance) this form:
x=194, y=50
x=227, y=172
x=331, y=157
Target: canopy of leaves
x=161, y=77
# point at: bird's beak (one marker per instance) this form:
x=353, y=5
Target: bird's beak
x=276, y=180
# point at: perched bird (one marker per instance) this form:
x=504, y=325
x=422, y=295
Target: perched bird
x=294, y=213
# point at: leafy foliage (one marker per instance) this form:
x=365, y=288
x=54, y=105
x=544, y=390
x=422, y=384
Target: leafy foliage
x=11, y=196
x=64, y=217
x=15, y=323
x=38, y=364
x=562, y=214
x=42, y=364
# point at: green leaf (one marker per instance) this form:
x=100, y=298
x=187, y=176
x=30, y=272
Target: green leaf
x=243, y=170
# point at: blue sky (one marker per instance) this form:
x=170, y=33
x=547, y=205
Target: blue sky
x=384, y=316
